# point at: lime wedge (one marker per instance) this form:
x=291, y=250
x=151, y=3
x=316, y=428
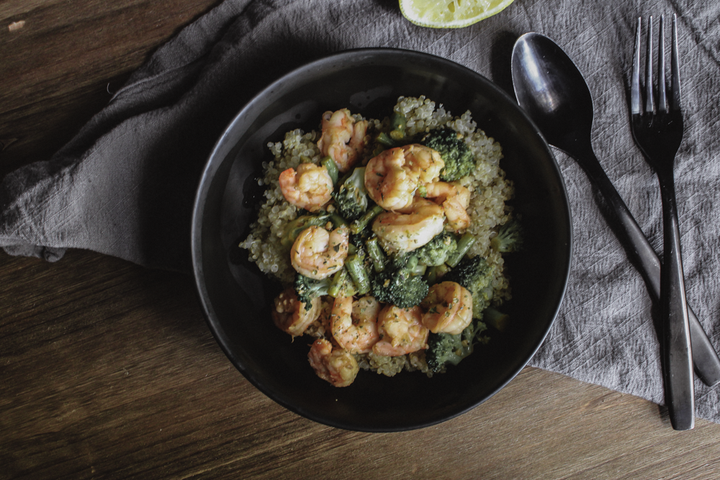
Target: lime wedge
x=450, y=13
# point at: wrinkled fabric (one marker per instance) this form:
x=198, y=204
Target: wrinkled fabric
x=124, y=186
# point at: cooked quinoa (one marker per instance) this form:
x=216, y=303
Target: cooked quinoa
x=488, y=209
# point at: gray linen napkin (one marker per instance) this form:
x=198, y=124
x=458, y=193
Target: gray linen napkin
x=125, y=185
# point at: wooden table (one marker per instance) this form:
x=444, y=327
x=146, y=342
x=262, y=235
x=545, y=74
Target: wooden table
x=107, y=370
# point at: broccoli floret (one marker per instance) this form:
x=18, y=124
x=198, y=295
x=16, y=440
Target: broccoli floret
x=338, y=284
x=437, y=251
x=308, y=288
x=398, y=122
x=459, y=159
x=495, y=318
x=397, y=136
x=476, y=276
x=398, y=285
x=446, y=349
x=351, y=197
x=509, y=238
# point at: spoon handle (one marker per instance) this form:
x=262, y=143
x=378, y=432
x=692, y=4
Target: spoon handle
x=705, y=358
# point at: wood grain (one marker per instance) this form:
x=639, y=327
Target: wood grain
x=63, y=65
x=109, y=371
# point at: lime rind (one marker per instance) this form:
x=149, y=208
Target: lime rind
x=468, y=11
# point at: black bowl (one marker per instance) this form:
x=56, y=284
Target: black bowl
x=237, y=298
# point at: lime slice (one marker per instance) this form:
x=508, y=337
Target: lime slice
x=450, y=13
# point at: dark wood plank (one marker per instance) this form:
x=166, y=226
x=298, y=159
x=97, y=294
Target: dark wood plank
x=62, y=66
x=109, y=370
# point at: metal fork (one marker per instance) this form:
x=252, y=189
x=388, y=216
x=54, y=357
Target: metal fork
x=658, y=131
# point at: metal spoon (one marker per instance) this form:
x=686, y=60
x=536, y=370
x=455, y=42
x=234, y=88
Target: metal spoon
x=551, y=89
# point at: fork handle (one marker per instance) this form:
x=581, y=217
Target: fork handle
x=677, y=357
x=706, y=360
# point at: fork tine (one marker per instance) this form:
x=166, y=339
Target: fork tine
x=635, y=99
x=649, y=100
x=675, y=66
x=662, y=88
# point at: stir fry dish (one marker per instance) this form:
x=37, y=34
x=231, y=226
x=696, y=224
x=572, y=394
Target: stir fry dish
x=388, y=237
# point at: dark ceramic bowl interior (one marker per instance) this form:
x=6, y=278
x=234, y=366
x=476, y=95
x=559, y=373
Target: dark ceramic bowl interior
x=236, y=297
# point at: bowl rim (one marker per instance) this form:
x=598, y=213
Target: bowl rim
x=217, y=156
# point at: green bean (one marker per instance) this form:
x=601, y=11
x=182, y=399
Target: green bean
x=361, y=223
x=337, y=220
x=463, y=246
x=359, y=274
x=332, y=169
x=337, y=283
x=385, y=140
x=419, y=270
x=377, y=256
x=434, y=274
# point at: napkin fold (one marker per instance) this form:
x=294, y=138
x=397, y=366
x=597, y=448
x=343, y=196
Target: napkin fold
x=124, y=186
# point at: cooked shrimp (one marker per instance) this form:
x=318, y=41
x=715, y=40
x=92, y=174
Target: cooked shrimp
x=337, y=366
x=291, y=316
x=320, y=328
x=392, y=177
x=455, y=200
x=318, y=253
x=309, y=187
x=324, y=318
x=343, y=139
x=401, y=331
x=416, y=226
x=354, y=324
x=448, y=308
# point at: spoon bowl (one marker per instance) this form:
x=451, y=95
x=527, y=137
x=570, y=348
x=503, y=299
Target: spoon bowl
x=551, y=89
